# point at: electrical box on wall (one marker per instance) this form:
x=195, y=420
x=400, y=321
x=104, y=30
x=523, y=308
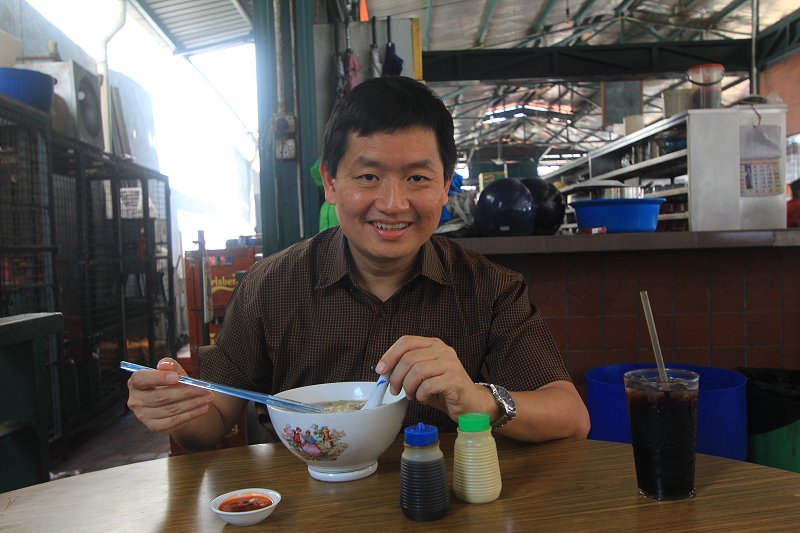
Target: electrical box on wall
x=284, y=128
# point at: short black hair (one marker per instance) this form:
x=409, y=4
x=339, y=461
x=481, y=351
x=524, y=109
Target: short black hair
x=387, y=105
x=795, y=186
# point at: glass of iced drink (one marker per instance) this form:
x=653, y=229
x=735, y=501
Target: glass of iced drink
x=663, y=420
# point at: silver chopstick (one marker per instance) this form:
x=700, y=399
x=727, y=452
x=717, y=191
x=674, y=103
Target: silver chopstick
x=288, y=405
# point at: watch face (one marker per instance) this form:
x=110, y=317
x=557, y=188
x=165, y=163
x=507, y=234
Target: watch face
x=506, y=404
x=505, y=397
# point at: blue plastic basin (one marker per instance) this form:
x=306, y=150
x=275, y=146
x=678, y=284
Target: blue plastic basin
x=721, y=408
x=28, y=86
x=618, y=215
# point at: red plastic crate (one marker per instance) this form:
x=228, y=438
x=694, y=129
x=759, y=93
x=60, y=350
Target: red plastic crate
x=224, y=264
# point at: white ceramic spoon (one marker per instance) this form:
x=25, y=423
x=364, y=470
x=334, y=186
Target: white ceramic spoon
x=376, y=398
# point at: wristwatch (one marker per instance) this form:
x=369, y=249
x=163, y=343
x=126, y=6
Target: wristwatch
x=508, y=409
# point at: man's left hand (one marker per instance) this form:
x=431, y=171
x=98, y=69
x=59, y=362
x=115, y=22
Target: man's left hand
x=430, y=372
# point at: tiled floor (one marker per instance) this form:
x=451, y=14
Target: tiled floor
x=121, y=439
x=125, y=440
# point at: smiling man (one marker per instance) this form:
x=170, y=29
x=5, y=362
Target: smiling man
x=380, y=294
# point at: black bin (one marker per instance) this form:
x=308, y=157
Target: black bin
x=773, y=414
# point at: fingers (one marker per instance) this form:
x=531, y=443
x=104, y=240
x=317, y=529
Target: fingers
x=399, y=358
x=172, y=418
x=171, y=365
x=167, y=374
x=416, y=368
x=397, y=350
x=160, y=402
x=429, y=371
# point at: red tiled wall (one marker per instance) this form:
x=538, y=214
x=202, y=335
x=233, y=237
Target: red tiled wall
x=782, y=79
x=724, y=308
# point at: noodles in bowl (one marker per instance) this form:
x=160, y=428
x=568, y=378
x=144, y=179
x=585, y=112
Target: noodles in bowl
x=341, y=406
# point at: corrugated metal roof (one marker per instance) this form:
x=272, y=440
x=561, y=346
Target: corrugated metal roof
x=474, y=24
x=195, y=26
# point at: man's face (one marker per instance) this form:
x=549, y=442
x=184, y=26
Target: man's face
x=389, y=190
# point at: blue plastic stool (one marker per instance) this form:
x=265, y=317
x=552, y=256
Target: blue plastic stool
x=721, y=408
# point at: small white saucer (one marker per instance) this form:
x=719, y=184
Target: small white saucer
x=335, y=477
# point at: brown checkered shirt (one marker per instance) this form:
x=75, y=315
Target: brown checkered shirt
x=297, y=318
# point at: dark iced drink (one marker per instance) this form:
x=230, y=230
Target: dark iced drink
x=663, y=429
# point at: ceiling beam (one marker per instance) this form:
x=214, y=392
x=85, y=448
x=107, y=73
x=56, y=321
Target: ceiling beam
x=583, y=11
x=646, y=28
x=426, y=24
x=538, y=22
x=620, y=9
x=578, y=31
x=488, y=12
x=779, y=41
x=630, y=61
x=727, y=10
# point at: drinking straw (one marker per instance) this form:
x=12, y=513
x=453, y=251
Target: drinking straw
x=651, y=327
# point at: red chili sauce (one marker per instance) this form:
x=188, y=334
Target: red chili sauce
x=245, y=502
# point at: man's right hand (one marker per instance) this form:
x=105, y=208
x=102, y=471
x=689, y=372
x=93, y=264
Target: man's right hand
x=161, y=403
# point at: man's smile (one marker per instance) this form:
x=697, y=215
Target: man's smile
x=395, y=226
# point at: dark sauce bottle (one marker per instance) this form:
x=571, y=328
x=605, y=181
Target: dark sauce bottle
x=424, y=493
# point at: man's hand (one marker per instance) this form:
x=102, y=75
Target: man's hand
x=161, y=403
x=430, y=372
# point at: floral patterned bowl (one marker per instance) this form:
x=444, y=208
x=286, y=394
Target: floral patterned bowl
x=339, y=446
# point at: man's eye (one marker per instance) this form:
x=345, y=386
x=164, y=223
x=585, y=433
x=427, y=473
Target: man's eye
x=417, y=178
x=368, y=177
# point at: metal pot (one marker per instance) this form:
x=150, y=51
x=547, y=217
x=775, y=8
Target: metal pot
x=614, y=193
x=603, y=190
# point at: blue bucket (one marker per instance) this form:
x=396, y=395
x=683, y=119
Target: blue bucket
x=721, y=408
x=28, y=86
x=618, y=215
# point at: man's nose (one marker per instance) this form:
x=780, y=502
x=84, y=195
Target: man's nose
x=393, y=195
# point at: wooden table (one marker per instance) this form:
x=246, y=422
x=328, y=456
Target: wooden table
x=563, y=486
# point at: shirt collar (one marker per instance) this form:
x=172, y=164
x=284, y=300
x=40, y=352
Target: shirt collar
x=333, y=265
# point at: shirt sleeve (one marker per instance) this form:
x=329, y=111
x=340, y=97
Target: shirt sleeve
x=522, y=354
x=239, y=356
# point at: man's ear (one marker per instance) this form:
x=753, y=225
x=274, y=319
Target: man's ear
x=328, y=183
x=447, y=187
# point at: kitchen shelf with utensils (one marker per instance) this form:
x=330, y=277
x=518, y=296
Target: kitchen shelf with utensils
x=718, y=169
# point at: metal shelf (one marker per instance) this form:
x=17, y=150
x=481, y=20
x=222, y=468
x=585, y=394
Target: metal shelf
x=644, y=165
x=674, y=216
x=618, y=144
x=668, y=192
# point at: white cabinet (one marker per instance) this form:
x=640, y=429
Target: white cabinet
x=719, y=169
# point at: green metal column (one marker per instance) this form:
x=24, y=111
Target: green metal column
x=266, y=76
x=289, y=199
x=307, y=114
